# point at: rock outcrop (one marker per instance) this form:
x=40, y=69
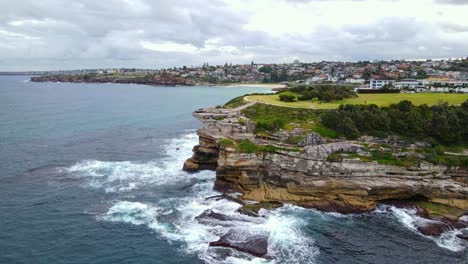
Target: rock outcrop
x=308, y=178
x=254, y=245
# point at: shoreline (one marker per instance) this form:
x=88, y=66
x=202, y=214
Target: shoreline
x=261, y=85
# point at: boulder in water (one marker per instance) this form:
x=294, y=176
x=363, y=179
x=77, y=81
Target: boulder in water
x=256, y=245
x=463, y=235
x=210, y=214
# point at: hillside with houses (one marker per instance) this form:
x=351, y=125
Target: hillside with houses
x=450, y=75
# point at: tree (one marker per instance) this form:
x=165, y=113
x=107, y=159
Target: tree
x=366, y=74
x=265, y=69
x=421, y=74
x=283, y=76
x=287, y=98
x=307, y=95
x=349, y=129
x=274, y=76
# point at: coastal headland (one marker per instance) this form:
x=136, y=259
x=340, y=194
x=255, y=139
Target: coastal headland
x=302, y=161
x=136, y=79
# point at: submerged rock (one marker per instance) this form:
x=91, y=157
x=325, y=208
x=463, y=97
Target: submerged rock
x=210, y=214
x=463, y=235
x=252, y=209
x=432, y=228
x=256, y=245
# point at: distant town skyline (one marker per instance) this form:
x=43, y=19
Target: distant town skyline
x=85, y=34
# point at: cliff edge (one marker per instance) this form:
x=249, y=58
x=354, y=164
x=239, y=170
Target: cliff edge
x=324, y=173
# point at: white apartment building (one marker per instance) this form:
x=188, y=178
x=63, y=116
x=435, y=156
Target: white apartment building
x=379, y=84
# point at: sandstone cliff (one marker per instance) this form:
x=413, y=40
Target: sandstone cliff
x=303, y=174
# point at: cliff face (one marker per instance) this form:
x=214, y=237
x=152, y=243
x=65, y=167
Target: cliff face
x=308, y=178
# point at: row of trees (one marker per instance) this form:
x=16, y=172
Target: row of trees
x=325, y=93
x=444, y=123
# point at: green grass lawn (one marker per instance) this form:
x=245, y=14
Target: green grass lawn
x=378, y=99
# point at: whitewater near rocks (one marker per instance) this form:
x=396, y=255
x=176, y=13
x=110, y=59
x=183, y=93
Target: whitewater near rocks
x=175, y=219
x=309, y=179
x=189, y=220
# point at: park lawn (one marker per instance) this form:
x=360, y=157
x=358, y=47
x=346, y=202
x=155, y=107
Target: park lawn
x=378, y=99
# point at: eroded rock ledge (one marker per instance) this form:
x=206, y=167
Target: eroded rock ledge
x=308, y=178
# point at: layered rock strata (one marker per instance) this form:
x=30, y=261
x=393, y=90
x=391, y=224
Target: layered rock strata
x=307, y=178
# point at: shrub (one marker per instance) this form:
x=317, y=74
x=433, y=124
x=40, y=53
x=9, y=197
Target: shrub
x=225, y=142
x=307, y=95
x=269, y=125
x=269, y=148
x=287, y=98
x=247, y=147
x=294, y=139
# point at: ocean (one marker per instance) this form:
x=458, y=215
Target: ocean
x=92, y=173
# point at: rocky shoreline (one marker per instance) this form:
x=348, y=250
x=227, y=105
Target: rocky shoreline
x=303, y=174
x=161, y=81
x=164, y=81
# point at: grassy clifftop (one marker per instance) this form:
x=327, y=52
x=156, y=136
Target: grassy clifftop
x=378, y=99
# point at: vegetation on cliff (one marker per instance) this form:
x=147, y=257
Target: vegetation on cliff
x=326, y=93
x=320, y=93
x=270, y=118
x=439, y=124
x=276, y=155
x=382, y=100
x=235, y=102
x=442, y=123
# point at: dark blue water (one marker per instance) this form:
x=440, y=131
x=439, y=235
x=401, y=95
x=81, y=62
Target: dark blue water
x=91, y=173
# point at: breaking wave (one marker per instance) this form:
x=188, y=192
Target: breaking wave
x=125, y=176
x=185, y=221
x=409, y=218
x=177, y=219
x=180, y=223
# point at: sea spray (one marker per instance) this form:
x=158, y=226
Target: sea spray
x=409, y=218
x=125, y=176
x=175, y=219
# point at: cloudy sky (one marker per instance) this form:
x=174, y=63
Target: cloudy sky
x=57, y=34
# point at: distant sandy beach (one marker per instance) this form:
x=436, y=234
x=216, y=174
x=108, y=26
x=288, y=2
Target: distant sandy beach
x=263, y=85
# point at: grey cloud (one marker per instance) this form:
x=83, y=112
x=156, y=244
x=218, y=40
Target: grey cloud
x=55, y=34
x=109, y=31
x=454, y=28
x=452, y=2
x=389, y=38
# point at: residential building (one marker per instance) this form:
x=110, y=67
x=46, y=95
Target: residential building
x=379, y=84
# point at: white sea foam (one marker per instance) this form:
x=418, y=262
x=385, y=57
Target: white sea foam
x=125, y=176
x=174, y=219
x=409, y=218
x=131, y=212
x=287, y=243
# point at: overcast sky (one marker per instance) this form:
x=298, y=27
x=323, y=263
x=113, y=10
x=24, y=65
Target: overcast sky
x=57, y=34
